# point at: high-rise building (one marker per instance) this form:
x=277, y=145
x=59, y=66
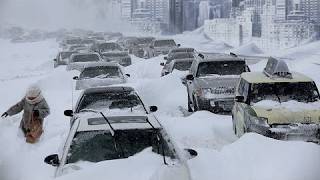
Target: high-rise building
x=159, y=9
x=190, y=13
x=204, y=12
x=175, y=16
x=311, y=9
x=126, y=10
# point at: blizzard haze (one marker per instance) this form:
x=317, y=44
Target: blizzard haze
x=56, y=14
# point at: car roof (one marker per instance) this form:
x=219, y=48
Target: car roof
x=80, y=54
x=108, y=89
x=260, y=77
x=100, y=64
x=208, y=57
x=94, y=122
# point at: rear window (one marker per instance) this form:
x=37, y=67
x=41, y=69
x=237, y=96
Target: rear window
x=182, y=66
x=96, y=146
x=164, y=43
x=86, y=58
x=109, y=46
x=221, y=68
x=65, y=55
x=182, y=55
x=100, y=72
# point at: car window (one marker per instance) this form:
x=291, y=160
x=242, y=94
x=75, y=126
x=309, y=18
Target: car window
x=164, y=43
x=221, y=68
x=181, y=55
x=182, y=65
x=65, y=55
x=86, y=58
x=101, y=72
x=284, y=91
x=111, y=101
x=109, y=46
x=96, y=146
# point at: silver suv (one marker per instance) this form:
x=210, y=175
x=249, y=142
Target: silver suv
x=212, y=80
x=162, y=46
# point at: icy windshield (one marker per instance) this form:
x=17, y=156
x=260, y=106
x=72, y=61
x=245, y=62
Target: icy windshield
x=86, y=58
x=111, y=100
x=101, y=72
x=109, y=46
x=96, y=146
x=183, y=65
x=284, y=91
x=182, y=55
x=65, y=55
x=164, y=43
x=221, y=68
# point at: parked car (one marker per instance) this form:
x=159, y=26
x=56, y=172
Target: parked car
x=179, y=55
x=62, y=58
x=179, y=50
x=100, y=74
x=66, y=43
x=106, y=47
x=121, y=57
x=100, y=137
x=162, y=46
x=212, y=81
x=277, y=103
x=79, y=60
x=141, y=47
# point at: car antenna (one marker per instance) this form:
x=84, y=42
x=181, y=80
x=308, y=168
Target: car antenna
x=158, y=139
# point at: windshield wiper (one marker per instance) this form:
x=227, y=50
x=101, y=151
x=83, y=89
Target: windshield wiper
x=159, y=140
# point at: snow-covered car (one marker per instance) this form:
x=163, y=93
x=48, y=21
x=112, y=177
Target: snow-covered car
x=179, y=50
x=212, y=81
x=79, y=60
x=100, y=74
x=106, y=47
x=78, y=47
x=121, y=57
x=66, y=43
x=115, y=100
x=141, y=46
x=161, y=46
x=100, y=137
x=277, y=103
x=168, y=66
x=62, y=58
x=179, y=65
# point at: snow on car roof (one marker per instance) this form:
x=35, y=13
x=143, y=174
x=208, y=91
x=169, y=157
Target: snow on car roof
x=117, y=122
x=218, y=57
x=100, y=64
x=259, y=77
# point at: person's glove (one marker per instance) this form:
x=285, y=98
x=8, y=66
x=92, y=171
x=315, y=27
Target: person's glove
x=5, y=114
x=36, y=113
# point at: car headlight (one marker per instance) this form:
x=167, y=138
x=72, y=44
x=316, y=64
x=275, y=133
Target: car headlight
x=203, y=91
x=262, y=121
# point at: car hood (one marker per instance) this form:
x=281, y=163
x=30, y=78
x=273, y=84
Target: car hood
x=217, y=81
x=96, y=82
x=288, y=112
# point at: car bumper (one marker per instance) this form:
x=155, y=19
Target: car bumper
x=292, y=132
x=218, y=105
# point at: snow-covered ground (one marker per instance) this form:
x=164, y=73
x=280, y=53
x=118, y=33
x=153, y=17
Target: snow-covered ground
x=221, y=155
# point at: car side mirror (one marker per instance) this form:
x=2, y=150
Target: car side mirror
x=128, y=75
x=247, y=69
x=165, y=58
x=153, y=108
x=53, y=160
x=239, y=99
x=191, y=153
x=162, y=64
x=54, y=59
x=151, y=47
x=68, y=113
x=190, y=77
x=178, y=45
x=75, y=78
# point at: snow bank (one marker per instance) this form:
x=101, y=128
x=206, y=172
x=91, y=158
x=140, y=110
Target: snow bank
x=248, y=49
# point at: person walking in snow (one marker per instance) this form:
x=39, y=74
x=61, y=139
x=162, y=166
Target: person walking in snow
x=35, y=109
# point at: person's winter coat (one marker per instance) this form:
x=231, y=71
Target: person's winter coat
x=36, y=107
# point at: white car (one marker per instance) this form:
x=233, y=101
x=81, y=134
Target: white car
x=100, y=137
x=100, y=74
x=79, y=60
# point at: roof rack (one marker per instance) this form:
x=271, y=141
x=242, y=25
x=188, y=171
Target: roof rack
x=201, y=56
x=276, y=68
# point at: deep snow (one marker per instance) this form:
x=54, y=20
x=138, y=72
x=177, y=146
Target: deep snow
x=221, y=154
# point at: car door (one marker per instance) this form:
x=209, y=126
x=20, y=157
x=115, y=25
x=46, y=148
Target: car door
x=190, y=83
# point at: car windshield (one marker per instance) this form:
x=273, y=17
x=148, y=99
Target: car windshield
x=100, y=72
x=284, y=91
x=221, y=68
x=109, y=46
x=182, y=55
x=110, y=55
x=164, y=43
x=96, y=146
x=182, y=65
x=112, y=101
x=65, y=55
x=86, y=58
